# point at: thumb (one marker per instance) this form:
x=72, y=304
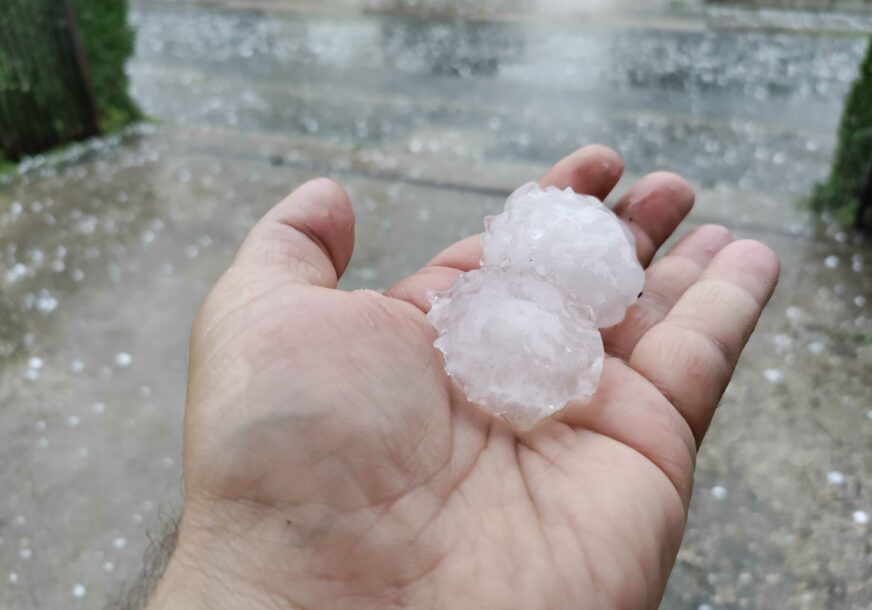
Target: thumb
x=307, y=238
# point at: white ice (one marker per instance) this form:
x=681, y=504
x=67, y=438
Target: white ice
x=519, y=335
x=573, y=241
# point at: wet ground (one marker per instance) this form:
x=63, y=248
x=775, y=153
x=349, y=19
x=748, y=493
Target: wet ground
x=429, y=113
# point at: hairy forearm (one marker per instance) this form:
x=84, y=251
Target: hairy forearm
x=136, y=596
x=177, y=576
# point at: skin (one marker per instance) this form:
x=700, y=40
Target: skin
x=331, y=464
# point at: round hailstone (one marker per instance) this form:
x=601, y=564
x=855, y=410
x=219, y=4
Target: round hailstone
x=516, y=345
x=572, y=241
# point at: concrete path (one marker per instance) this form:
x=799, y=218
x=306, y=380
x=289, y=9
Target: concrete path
x=105, y=255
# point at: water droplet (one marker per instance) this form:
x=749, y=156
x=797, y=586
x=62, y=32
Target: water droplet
x=108, y=566
x=79, y=591
x=73, y=421
x=25, y=554
x=860, y=517
x=13, y=578
x=719, y=492
x=123, y=359
x=35, y=363
x=119, y=543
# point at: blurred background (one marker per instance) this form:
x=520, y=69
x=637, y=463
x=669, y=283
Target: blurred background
x=122, y=197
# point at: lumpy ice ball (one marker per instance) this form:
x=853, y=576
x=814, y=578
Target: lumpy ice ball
x=516, y=345
x=573, y=241
x=519, y=335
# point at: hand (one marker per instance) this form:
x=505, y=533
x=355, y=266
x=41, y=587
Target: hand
x=331, y=464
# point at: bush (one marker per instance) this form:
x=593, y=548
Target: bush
x=840, y=194
x=108, y=41
x=41, y=96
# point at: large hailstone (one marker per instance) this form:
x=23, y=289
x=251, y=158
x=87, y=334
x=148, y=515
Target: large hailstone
x=574, y=241
x=519, y=335
x=516, y=345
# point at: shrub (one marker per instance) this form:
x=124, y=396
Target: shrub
x=42, y=103
x=108, y=41
x=840, y=193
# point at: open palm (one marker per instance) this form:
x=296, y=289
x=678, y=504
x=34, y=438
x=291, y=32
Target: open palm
x=330, y=463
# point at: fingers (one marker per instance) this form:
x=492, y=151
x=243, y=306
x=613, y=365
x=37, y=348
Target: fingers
x=416, y=288
x=464, y=255
x=592, y=170
x=629, y=410
x=691, y=354
x=653, y=208
x=666, y=281
x=307, y=238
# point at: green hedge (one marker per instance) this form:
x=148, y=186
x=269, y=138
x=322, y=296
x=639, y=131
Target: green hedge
x=108, y=40
x=840, y=194
x=41, y=101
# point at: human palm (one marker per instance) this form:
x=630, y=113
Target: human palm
x=331, y=463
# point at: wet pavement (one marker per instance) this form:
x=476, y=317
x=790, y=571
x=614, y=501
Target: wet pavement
x=429, y=113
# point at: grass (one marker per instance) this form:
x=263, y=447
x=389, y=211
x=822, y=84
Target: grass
x=6, y=166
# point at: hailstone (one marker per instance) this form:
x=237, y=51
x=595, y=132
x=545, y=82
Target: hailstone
x=516, y=345
x=574, y=241
x=520, y=334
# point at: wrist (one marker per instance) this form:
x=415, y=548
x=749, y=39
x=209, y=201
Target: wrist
x=232, y=555
x=198, y=577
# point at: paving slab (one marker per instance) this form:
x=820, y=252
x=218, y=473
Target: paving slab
x=105, y=255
